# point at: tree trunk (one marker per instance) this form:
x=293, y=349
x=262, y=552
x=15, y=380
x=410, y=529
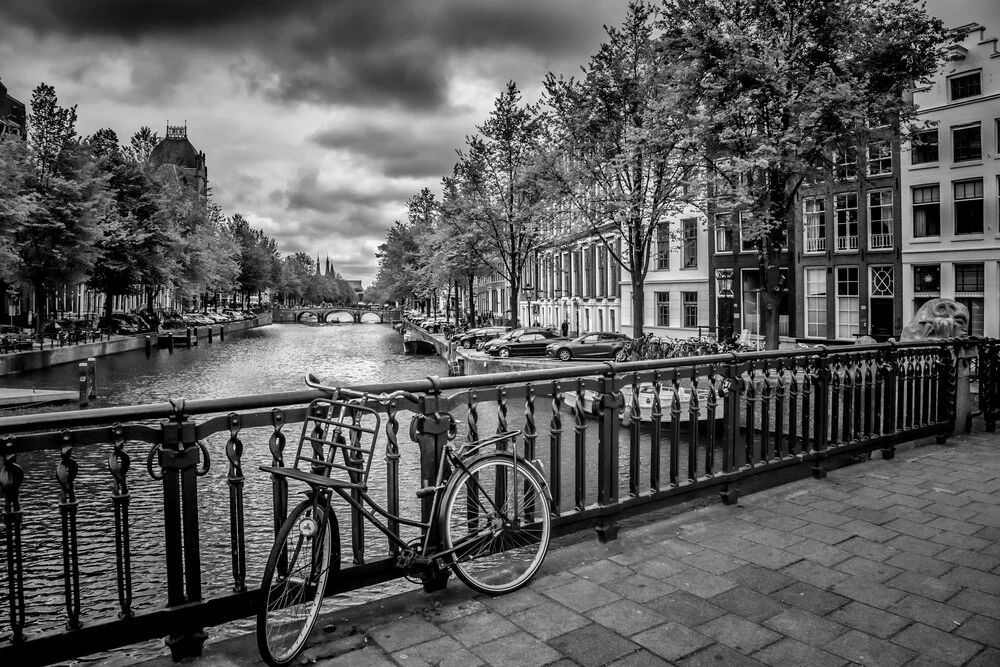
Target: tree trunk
x=513, y=304
x=638, y=303
x=472, y=301
x=108, y=302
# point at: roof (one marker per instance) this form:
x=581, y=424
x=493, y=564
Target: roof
x=177, y=151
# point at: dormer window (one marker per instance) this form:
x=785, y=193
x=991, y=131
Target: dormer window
x=966, y=85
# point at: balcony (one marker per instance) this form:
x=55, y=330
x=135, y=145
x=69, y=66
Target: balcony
x=847, y=243
x=815, y=244
x=880, y=241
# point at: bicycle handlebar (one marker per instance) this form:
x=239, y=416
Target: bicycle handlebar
x=316, y=383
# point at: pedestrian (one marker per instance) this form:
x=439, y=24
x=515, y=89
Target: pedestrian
x=565, y=328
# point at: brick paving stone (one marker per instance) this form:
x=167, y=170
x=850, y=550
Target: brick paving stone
x=988, y=658
x=908, y=514
x=926, y=661
x=960, y=541
x=870, y=620
x=442, y=652
x=866, y=650
x=935, y=614
x=870, y=569
x=821, y=533
x=726, y=543
x=552, y=580
x=676, y=548
x=829, y=519
x=640, y=658
x=582, y=595
x=859, y=546
x=519, y=649
x=700, y=583
x=937, y=644
x=907, y=544
x=917, y=563
x=981, y=629
x=671, y=641
x=790, y=652
x=659, y=567
x=872, y=492
x=805, y=627
x=783, y=523
x=810, y=598
x=912, y=528
x=625, y=617
x=779, y=539
x=766, y=556
x=739, y=633
x=713, y=561
x=760, y=579
x=866, y=514
x=913, y=502
x=602, y=571
x=682, y=607
x=526, y=598
x=868, y=591
x=977, y=602
x=824, y=554
x=950, y=511
x=961, y=527
x=592, y=645
x=449, y=612
x=718, y=654
x=548, y=620
x=924, y=585
x=369, y=656
x=972, y=559
x=479, y=628
x=815, y=574
x=867, y=530
x=747, y=603
x=980, y=581
x=639, y=588
x=409, y=631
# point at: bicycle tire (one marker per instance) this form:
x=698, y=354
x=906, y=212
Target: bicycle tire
x=502, y=553
x=286, y=615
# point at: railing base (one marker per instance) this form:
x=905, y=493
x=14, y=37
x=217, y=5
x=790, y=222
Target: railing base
x=187, y=645
x=438, y=582
x=730, y=495
x=819, y=470
x=607, y=530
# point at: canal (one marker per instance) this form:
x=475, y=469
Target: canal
x=258, y=361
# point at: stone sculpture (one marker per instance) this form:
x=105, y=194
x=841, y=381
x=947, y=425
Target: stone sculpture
x=938, y=318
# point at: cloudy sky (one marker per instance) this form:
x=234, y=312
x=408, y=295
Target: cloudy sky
x=318, y=118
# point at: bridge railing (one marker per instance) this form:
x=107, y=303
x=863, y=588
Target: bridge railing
x=160, y=491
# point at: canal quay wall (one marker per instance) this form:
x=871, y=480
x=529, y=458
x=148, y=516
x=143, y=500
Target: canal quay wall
x=18, y=362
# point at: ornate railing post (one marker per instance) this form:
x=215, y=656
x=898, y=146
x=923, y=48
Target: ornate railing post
x=729, y=392
x=989, y=382
x=66, y=472
x=963, y=351
x=118, y=464
x=431, y=431
x=11, y=477
x=607, y=449
x=237, y=535
x=947, y=387
x=821, y=408
x=179, y=457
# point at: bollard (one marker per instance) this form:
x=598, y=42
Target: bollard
x=92, y=376
x=149, y=346
x=84, y=396
x=170, y=342
x=210, y=334
x=222, y=333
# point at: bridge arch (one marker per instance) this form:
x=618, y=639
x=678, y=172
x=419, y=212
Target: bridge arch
x=299, y=316
x=338, y=315
x=371, y=316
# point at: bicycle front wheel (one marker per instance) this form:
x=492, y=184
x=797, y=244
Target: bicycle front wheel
x=498, y=524
x=294, y=582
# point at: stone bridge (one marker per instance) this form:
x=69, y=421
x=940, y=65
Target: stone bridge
x=337, y=314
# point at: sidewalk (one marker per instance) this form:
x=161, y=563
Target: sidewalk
x=883, y=563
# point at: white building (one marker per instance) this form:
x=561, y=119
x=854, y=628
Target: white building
x=950, y=184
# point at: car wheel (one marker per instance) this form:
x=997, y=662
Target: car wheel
x=565, y=355
x=503, y=352
x=468, y=344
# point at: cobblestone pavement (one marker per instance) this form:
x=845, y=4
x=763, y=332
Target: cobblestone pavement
x=885, y=563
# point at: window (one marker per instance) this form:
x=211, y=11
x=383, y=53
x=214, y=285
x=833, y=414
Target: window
x=845, y=164
x=965, y=85
x=970, y=283
x=924, y=147
x=663, y=246
x=663, y=309
x=845, y=209
x=746, y=244
x=880, y=219
x=690, y=303
x=724, y=232
x=969, y=207
x=879, y=158
x=967, y=143
x=848, y=302
x=881, y=281
x=927, y=279
x=814, y=221
x=815, y=302
x=927, y=211
x=689, y=251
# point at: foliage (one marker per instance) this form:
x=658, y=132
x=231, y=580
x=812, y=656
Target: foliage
x=622, y=158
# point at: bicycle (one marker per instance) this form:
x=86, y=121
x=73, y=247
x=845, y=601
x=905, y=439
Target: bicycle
x=493, y=539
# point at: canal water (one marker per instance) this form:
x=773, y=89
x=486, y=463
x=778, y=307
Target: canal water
x=258, y=361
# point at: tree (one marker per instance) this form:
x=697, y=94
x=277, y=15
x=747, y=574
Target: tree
x=17, y=204
x=397, y=257
x=460, y=250
x=622, y=158
x=775, y=87
x=141, y=144
x=501, y=176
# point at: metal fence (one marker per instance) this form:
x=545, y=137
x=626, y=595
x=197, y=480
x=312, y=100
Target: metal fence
x=615, y=440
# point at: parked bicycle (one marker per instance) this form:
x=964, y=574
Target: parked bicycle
x=490, y=518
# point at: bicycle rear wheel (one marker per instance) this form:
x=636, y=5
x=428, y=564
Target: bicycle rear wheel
x=305, y=551
x=499, y=526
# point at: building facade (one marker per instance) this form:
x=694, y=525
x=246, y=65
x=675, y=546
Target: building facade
x=13, y=117
x=950, y=185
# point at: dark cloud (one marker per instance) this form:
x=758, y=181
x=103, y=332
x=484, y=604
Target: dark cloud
x=359, y=52
x=416, y=151
x=342, y=209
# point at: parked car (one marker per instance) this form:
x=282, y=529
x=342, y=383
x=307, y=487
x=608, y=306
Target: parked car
x=473, y=337
x=591, y=345
x=55, y=329
x=83, y=328
x=13, y=337
x=524, y=342
x=117, y=324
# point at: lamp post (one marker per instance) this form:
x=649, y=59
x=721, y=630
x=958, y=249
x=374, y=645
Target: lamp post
x=724, y=285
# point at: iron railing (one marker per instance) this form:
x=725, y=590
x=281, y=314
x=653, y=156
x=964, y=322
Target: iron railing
x=615, y=440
